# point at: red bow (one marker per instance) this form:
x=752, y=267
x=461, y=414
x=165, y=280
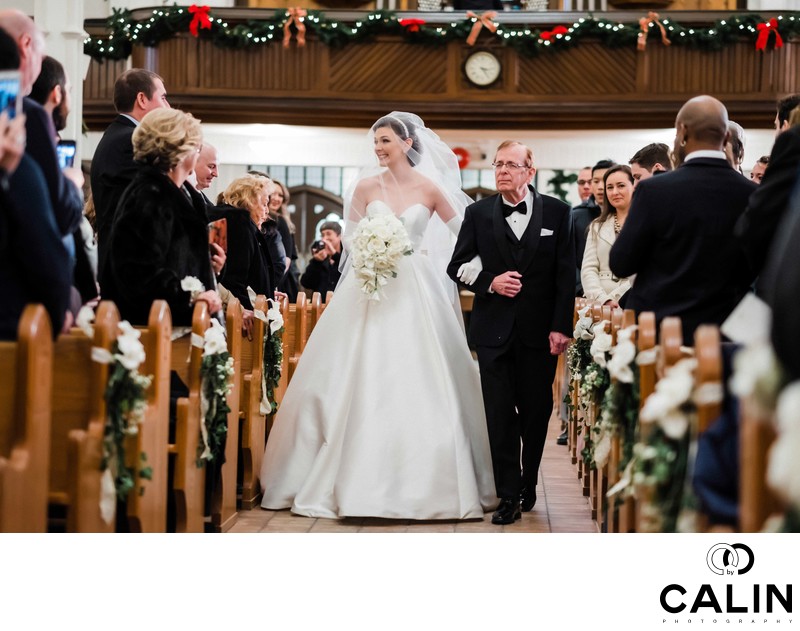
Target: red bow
x=764, y=30
x=485, y=19
x=200, y=19
x=411, y=25
x=549, y=35
x=296, y=15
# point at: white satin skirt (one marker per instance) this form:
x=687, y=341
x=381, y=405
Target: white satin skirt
x=384, y=415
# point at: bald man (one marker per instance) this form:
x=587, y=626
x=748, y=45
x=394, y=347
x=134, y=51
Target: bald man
x=678, y=238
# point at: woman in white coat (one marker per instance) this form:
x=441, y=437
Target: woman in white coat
x=599, y=283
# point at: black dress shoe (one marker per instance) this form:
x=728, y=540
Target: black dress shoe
x=527, y=499
x=562, y=439
x=508, y=512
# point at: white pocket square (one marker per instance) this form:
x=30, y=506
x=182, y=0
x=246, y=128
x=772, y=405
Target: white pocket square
x=546, y=233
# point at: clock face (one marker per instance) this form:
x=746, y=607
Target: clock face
x=482, y=68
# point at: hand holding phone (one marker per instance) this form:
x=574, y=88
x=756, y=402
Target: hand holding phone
x=12, y=141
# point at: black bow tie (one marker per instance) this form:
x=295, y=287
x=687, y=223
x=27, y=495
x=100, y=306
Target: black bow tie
x=521, y=208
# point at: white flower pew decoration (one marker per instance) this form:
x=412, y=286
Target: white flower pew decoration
x=125, y=407
x=215, y=376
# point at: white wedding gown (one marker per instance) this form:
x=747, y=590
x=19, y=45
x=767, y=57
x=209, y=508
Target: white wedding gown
x=384, y=415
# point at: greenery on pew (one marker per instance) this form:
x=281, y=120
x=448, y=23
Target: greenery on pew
x=215, y=373
x=125, y=407
x=661, y=456
x=593, y=378
x=273, y=359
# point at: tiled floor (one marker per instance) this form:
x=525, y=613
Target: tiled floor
x=561, y=507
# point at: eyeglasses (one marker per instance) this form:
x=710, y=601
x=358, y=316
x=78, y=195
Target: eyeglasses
x=511, y=166
x=584, y=182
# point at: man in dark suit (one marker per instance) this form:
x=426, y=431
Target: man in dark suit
x=678, y=237
x=521, y=318
x=766, y=208
x=136, y=92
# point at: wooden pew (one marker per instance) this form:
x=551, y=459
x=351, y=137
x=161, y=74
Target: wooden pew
x=626, y=521
x=646, y=343
x=253, y=427
x=708, y=376
x=757, y=500
x=25, y=386
x=671, y=341
x=614, y=455
x=188, y=479
x=296, y=333
x=147, y=502
x=79, y=419
x=223, y=501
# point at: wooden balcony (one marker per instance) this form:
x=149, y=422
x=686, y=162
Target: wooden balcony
x=588, y=86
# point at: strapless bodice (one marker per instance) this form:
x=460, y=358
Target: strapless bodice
x=415, y=219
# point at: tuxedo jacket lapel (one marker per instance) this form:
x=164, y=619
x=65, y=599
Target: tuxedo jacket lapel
x=532, y=235
x=499, y=228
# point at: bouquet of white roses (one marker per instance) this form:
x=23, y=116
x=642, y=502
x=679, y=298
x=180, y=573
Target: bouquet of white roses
x=378, y=244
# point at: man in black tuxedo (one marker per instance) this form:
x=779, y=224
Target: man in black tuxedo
x=678, y=237
x=136, y=92
x=521, y=318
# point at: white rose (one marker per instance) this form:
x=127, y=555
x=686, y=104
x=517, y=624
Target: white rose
x=678, y=383
x=602, y=449
x=619, y=366
x=214, y=340
x=656, y=406
x=674, y=424
x=85, y=320
x=600, y=345
x=274, y=316
x=193, y=286
x=130, y=350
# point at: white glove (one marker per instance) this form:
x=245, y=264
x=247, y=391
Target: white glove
x=468, y=272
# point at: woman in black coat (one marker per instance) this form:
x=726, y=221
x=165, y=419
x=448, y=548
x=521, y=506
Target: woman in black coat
x=249, y=263
x=160, y=233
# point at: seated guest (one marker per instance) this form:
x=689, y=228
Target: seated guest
x=249, y=262
x=322, y=273
x=599, y=283
x=678, y=238
x=160, y=233
x=649, y=160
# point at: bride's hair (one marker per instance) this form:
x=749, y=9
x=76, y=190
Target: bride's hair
x=404, y=131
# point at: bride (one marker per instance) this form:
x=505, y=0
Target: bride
x=383, y=416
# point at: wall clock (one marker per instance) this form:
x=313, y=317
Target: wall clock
x=482, y=68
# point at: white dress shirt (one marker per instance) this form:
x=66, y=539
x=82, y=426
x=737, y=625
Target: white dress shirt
x=517, y=220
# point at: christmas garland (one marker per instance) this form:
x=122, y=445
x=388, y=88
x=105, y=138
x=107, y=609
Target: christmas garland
x=165, y=23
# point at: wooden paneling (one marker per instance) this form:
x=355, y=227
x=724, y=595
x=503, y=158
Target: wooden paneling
x=588, y=86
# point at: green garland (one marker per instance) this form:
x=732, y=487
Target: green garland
x=165, y=23
x=273, y=358
x=559, y=180
x=661, y=464
x=215, y=373
x=125, y=405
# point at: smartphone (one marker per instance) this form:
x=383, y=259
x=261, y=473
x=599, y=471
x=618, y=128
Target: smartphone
x=10, y=95
x=66, y=153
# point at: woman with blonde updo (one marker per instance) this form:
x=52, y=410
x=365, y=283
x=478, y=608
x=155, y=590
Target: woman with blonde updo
x=249, y=262
x=160, y=233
